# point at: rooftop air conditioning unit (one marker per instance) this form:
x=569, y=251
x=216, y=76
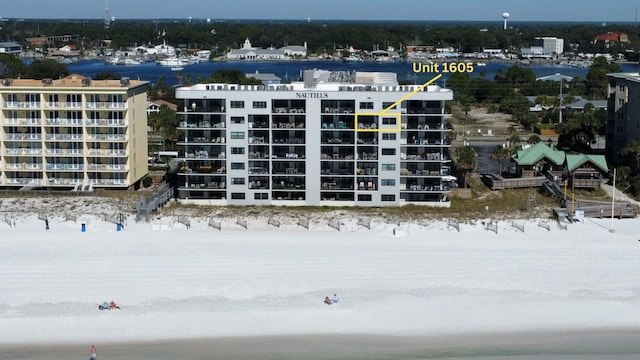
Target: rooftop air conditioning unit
x=124, y=81
x=7, y=82
x=47, y=81
x=87, y=81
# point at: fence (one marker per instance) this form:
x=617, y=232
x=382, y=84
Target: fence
x=274, y=222
x=70, y=217
x=454, y=224
x=562, y=226
x=215, y=224
x=10, y=220
x=365, y=223
x=185, y=221
x=544, y=225
x=517, y=226
x=242, y=222
x=492, y=226
x=118, y=219
x=334, y=224
x=42, y=216
x=304, y=222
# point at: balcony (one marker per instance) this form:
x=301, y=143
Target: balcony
x=63, y=105
x=65, y=167
x=23, y=166
x=24, y=151
x=106, y=105
x=107, y=122
x=22, y=136
x=63, y=137
x=107, y=137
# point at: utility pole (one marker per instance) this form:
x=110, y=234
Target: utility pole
x=560, y=103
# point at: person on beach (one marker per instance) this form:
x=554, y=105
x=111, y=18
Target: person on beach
x=335, y=299
x=327, y=300
x=46, y=224
x=93, y=352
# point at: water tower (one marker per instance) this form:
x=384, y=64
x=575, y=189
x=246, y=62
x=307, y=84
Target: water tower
x=505, y=16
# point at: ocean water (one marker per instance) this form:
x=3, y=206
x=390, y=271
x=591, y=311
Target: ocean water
x=593, y=345
x=290, y=70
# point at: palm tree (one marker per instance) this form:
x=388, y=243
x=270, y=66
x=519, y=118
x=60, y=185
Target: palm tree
x=466, y=160
x=499, y=154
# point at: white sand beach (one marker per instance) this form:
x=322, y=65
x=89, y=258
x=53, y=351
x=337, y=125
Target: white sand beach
x=408, y=282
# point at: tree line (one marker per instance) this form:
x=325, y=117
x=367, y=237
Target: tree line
x=321, y=36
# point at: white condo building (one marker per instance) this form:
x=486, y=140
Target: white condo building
x=72, y=133
x=334, y=138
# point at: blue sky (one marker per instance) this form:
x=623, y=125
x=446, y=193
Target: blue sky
x=426, y=10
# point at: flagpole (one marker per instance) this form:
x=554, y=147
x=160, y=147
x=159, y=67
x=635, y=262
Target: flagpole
x=613, y=198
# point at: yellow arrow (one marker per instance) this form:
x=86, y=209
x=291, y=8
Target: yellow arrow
x=419, y=88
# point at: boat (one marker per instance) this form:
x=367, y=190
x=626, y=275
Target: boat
x=173, y=62
x=177, y=68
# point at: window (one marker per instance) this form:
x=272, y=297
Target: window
x=388, y=182
x=388, y=151
x=386, y=105
x=388, y=167
x=261, y=196
x=237, y=119
x=388, y=197
x=620, y=101
x=389, y=121
x=237, y=181
x=237, y=166
x=237, y=104
x=364, y=197
x=388, y=136
x=366, y=105
x=237, y=134
x=237, y=150
x=259, y=104
x=237, y=196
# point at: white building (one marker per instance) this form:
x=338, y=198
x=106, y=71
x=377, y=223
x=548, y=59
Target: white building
x=10, y=48
x=248, y=52
x=544, y=47
x=72, y=132
x=335, y=138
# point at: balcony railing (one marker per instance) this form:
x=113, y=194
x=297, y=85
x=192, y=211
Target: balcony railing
x=21, y=136
x=106, y=105
x=23, y=151
x=107, y=137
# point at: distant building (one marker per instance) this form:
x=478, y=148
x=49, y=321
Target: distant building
x=555, y=77
x=248, y=52
x=153, y=106
x=623, y=115
x=544, y=47
x=610, y=38
x=266, y=78
x=10, y=48
x=40, y=41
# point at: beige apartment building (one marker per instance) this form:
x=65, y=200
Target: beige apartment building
x=72, y=133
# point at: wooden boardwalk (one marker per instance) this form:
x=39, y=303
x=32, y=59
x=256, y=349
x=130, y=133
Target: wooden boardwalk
x=496, y=183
